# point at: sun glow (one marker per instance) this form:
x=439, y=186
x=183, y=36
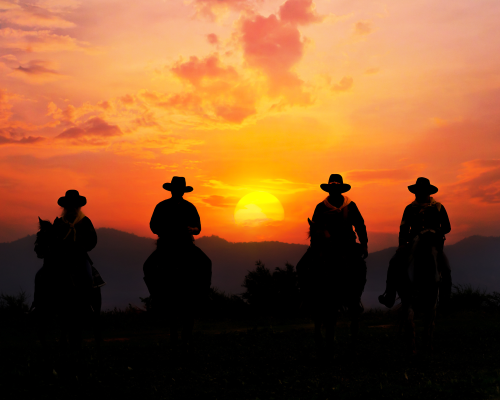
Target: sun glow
x=258, y=208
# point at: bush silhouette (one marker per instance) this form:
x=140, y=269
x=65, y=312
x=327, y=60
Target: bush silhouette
x=13, y=306
x=275, y=294
x=218, y=305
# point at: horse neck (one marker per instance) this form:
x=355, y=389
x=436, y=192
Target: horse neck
x=318, y=237
x=45, y=240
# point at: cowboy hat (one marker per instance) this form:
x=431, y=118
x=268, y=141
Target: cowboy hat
x=335, y=183
x=178, y=183
x=72, y=199
x=423, y=185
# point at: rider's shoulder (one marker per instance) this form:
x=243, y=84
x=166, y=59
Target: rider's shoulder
x=321, y=205
x=438, y=205
x=164, y=203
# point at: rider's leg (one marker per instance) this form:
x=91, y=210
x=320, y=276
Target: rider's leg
x=429, y=328
x=411, y=330
x=389, y=296
x=446, y=282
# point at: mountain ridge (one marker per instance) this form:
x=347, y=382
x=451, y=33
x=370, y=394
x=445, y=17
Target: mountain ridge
x=120, y=255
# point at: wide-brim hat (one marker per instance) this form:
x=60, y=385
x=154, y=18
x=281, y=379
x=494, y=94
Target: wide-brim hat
x=177, y=183
x=335, y=183
x=423, y=185
x=72, y=199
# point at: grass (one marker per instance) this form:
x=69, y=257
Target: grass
x=270, y=359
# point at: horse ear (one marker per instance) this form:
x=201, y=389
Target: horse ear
x=39, y=220
x=310, y=222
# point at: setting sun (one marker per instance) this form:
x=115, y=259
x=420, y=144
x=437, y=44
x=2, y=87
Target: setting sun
x=258, y=208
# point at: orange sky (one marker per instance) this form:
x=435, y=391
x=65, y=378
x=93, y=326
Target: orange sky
x=114, y=97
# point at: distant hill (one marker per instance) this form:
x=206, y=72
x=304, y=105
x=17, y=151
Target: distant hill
x=119, y=257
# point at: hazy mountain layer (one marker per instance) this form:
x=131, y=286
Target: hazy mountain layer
x=119, y=257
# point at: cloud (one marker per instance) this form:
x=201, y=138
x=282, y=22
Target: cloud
x=299, y=12
x=9, y=57
x=157, y=165
x=215, y=184
x=405, y=174
x=30, y=15
x=59, y=5
x=479, y=179
x=36, y=71
x=152, y=145
x=372, y=71
x=25, y=140
x=284, y=186
x=95, y=131
x=270, y=44
x=274, y=47
x=68, y=114
x=363, y=28
x=127, y=100
x=39, y=41
x=251, y=215
x=220, y=93
x=345, y=84
x=221, y=201
x=212, y=38
x=196, y=70
x=214, y=9
x=5, y=106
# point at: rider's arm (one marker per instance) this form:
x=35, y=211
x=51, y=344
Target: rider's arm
x=194, y=226
x=359, y=224
x=155, y=223
x=404, y=228
x=86, y=234
x=444, y=221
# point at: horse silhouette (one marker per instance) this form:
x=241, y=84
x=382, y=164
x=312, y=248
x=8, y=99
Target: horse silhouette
x=418, y=288
x=178, y=276
x=59, y=295
x=331, y=279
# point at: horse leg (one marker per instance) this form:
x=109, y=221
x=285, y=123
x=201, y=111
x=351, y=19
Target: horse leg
x=96, y=316
x=354, y=329
x=430, y=318
x=174, y=333
x=318, y=337
x=40, y=323
x=411, y=331
x=187, y=333
x=330, y=323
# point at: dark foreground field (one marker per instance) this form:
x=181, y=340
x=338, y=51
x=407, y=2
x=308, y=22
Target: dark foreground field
x=245, y=360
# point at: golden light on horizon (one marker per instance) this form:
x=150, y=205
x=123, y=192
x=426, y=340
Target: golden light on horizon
x=258, y=208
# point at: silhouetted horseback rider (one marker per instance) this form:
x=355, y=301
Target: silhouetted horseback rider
x=75, y=237
x=178, y=274
x=338, y=214
x=67, y=268
x=424, y=216
x=67, y=286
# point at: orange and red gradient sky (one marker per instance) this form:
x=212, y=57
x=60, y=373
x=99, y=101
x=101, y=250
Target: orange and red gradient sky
x=114, y=97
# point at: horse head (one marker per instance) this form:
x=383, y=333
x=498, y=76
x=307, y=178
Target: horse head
x=44, y=238
x=318, y=234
